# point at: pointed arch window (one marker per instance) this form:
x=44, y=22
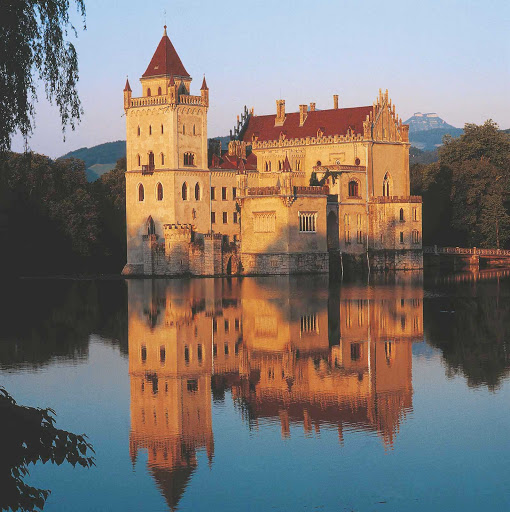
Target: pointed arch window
x=149, y=91
x=197, y=192
x=184, y=129
x=401, y=214
x=189, y=159
x=138, y=131
x=159, y=192
x=139, y=160
x=162, y=159
x=159, y=91
x=151, y=160
x=193, y=129
x=184, y=191
x=353, y=188
x=150, y=129
x=151, y=227
x=141, y=193
x=386, y=185
x=162, y=130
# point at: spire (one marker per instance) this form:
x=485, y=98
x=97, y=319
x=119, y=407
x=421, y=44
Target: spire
x=165, y=61
x=286, y=165
x=204, y=85
x=164, y=31
x=127, y=86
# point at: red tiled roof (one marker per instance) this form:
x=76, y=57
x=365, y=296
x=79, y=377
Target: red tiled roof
x=165, y=61
x=330, y=122
x=233, y=162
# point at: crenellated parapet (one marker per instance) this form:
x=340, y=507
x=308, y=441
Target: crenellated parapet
x=178, y=232
x=383, y=123
x=283, y=142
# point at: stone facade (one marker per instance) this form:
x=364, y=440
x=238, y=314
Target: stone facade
x=293, y=192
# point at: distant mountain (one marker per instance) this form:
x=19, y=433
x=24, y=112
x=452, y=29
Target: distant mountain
x=420, y=122
x=429, y=140
x=102, y=154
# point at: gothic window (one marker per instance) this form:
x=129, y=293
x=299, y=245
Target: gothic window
x=401, y=237
x=307, y=222
x=225, y=217
x=184, y=129
x=144, y=353
x=189, y=159
x=184, y=191
x=267, y=167
x=415, y=214
x=159, y=192
x=159, y=91
x=353, y=188
x=224, y=193
x=234, y=192
x=386, y=185
x=139, y=160
x=197, y=192
x=319, y=163
x=264, y=222
x=162, y=130
x=279, y=165
x=416, y=236
x=193, y=129
x=162, y=159
x=151, y=160
x=186, y=354
x=151, y=227
x=162, y=354
x=199, y=352
x=140, y=192
x=149, y=91
x=401, y=214
x=138, y=132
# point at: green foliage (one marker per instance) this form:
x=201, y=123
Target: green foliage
x=466, y=194
x=34, y=46
x=28, y=435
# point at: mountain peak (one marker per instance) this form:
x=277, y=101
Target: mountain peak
x=426, y=121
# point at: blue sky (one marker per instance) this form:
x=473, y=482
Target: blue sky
x=449, y=57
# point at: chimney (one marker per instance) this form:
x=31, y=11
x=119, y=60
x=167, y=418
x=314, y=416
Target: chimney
x=280, y=113
x=303, y=112
x=335, y=101
x=312, y=107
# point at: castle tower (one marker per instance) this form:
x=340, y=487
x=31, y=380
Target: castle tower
x=166, y=152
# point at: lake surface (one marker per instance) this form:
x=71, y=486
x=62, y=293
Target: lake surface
x=270, y=393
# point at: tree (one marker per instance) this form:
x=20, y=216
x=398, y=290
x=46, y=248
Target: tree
x=29, y=435
x=34, y=45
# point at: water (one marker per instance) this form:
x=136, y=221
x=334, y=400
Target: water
x=269, y=393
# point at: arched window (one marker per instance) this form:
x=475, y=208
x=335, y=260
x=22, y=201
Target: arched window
x=319, y=163
x=401, y=214
x=416, y=236
x=159, y=192
x=141, y=193
x=151, y=160
x=267, y=167
x=197, y=192
x=138, y=131
x=353, y=188
x=159, y=91
x=162, y=129
x=151, y=227
x=139, y=160
x=149, y=91
x=279, y=165
x=184, y=191
x=189, y=159
x=184, y=129
x=150, y=129
x=162, y=159
x=193, y=129
x=386, y=185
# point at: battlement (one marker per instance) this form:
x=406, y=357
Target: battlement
x=396, y=199
x=305, y=141
x=178, y=232
x=165, y=99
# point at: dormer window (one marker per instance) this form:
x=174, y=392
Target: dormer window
x=320, y=132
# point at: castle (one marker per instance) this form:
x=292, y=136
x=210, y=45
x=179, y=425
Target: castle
x=303, y=192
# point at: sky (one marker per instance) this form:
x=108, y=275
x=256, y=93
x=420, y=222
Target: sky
x=450, y=57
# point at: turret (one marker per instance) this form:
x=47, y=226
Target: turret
x=204, y=92
x=127, y=95
x=172, y=90
x=280, y=112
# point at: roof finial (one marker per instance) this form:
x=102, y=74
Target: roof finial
x=164, y=32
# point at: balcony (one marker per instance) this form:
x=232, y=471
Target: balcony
x=147, y=169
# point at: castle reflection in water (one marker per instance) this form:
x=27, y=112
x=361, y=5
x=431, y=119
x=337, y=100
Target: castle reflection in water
x=293, y=350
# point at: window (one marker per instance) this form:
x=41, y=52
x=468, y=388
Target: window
x=197, y=192
x=213, y=217
x=189, y=159
x=215, y=350
x=347, y=222
x=192, y=385
x=415, y=236
x=227, y=326
x=162, y=129
x=162, y=159
x=141, y=193
x=139, y=160
x=151, y=160
x=138, y=132
x=234, y=192
x=143, y=353
x=151, y=227
x=199, y=353
x=236, y=324
x=224, y=193
x=150, y=129
x=159, y=192
x=184, y=129
x=359, y=232
x=186, y=354
x=225, y=217
x=193, y=129
x=234, y=217
x=388, y=350
x=264, y=222
x=355, y=351
x=225, y=348
x=162, y=354
x=353, y=188
x=415, y=213
x=184, y=191
x=149, y=91
x=307, y=221
x=267, y=167
x=401, y=214
x=213, y=193
x=386, y=185
x=401, y=237
x=159, y=91
x=309, y=323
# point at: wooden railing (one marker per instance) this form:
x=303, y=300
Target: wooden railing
x=466, y=251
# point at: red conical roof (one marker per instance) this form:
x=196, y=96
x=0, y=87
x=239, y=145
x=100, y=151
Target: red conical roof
x=165, y=61
x=204, y=85
x=127, y=87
